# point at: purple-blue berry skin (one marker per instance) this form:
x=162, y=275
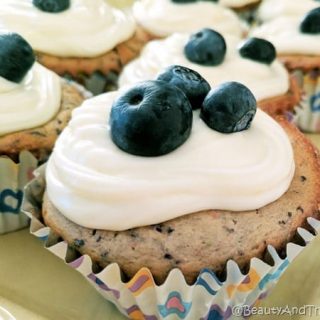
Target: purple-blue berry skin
x=189, y=81
x=229, y=107
x=151, y=119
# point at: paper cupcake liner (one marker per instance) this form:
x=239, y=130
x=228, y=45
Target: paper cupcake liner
x=81, y=88
x=14, y=176
x=307, y=115
x=96, y=82
x=140, y=297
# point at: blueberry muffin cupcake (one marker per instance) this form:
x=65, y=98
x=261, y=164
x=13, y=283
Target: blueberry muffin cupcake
x=35, y=105
x=220, y=58
x=297, y=40
x=89, y=41
x=215, y=170
x=208, y=183
x=161, y=18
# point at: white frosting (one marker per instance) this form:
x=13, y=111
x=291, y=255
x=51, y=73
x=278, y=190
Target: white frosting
x=96, y=185
x=30, y=103
x=237, y=3
x=264, y=80
x=164, y=17
x=271, y=9
x=285, y=34
x=87, y=29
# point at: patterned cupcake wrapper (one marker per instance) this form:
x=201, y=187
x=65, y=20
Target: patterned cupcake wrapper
x=140, y=298
x=307, y=114
x=14, y=176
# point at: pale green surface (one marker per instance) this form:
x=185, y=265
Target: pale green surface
x=34, y=279
x=35, y=285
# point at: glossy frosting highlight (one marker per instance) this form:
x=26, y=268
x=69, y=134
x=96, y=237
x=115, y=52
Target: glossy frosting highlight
x=164, y=17
x=87, y=29
x=31, y=103
x=265, y=81
x=96, y=185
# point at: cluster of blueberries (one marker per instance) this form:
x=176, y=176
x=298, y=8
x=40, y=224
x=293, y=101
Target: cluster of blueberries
x=208, y=47
x=155, y=117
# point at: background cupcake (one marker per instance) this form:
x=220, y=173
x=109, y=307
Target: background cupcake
x=87, y=40
x=134, y=232
x=161, y=18
x=219, y=59
x=35, y=105
x=297, y=40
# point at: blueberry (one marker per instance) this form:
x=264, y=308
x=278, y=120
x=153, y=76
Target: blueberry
x=311, y=22
x=16, y=57
x=151, y=119
x=259, y=50
x=52, y=6
x=189, y=81
x=229, y=107
x=206, y=47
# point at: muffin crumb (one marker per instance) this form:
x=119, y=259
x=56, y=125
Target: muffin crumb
x=168, y=256
x=229, y=230
x=303, y=178
x=170, y=230
x=158, y=228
